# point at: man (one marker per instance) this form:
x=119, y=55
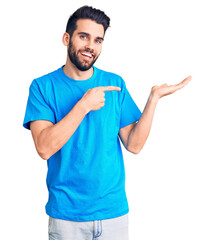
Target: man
x=76, y=115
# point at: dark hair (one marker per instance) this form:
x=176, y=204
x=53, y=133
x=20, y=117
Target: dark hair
x=87, y=12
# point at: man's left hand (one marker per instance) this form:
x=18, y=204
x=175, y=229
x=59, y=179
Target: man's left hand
x=163, y=90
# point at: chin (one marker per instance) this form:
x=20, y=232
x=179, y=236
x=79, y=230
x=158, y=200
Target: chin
x=84, y=68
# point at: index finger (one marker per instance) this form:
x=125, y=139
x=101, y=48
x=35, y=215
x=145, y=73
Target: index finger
x=111, y=88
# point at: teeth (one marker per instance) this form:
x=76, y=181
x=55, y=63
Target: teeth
x=87, y=54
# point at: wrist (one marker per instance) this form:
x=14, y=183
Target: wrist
x=83, y=106
x=153, y=97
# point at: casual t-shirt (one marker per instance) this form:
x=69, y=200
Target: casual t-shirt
x=86, y=177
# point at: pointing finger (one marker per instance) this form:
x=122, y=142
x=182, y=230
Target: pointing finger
x=111, y=88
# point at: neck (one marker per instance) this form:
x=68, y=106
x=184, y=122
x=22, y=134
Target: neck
x=73, y=72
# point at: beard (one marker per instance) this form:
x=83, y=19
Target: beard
x=73, y=56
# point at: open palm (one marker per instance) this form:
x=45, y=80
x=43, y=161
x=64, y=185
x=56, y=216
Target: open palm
x=165, y=89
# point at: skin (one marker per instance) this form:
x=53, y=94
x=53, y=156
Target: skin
x=92, y=42
x=88, y=39
x=139, y=131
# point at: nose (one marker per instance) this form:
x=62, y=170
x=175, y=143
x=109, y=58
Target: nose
x=90, y=45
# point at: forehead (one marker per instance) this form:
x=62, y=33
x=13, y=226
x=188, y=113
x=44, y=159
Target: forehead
x=91, y=27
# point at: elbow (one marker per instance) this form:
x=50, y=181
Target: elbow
x=43, y=153
x=44, y=156
x=134, y=150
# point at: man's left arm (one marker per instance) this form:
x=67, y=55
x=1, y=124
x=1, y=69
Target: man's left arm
x=135, y=135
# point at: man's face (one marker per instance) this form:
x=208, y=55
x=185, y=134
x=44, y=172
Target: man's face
x=86, y=44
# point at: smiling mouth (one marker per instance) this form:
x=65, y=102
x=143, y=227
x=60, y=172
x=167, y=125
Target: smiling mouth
x=87, y=55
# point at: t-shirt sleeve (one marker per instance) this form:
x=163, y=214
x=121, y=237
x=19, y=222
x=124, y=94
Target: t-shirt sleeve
x=129, y=110
x=37, y=107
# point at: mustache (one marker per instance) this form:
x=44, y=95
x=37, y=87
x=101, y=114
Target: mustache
x=89, y=50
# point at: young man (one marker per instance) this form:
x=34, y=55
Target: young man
x=76, y=115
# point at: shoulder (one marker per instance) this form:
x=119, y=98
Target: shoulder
x=45, y=81
x=44, y=86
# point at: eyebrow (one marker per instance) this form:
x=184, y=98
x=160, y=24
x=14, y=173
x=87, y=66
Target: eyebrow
x=87, y=34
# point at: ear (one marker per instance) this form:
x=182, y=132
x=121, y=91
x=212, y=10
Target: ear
x=65, y=39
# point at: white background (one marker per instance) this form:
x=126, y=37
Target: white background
x=170, y=183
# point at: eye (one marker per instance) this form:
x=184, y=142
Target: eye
x=83, y=37
x=98, y=41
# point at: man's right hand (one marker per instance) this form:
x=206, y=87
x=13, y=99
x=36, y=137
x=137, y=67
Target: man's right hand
x=94, y=98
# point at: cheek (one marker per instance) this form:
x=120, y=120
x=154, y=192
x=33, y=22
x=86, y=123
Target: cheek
x=78, y=45
x=99, y=50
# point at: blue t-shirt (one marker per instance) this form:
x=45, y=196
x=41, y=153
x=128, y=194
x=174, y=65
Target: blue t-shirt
x=86, y=177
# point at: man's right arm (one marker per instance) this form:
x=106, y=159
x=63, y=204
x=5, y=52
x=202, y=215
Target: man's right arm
x=50, y=138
